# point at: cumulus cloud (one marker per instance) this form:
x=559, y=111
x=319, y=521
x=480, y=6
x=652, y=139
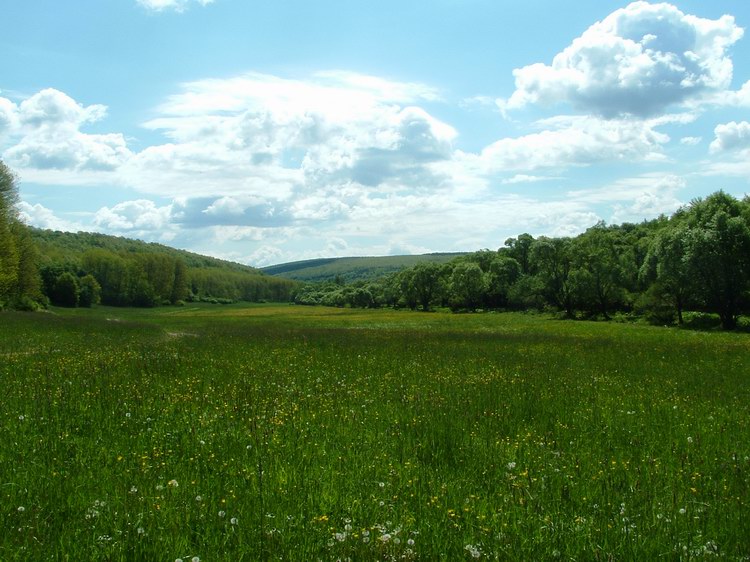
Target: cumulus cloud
x=638, y=61
x=41, y=217
x=46, y=130
x=731, y=136
x=271, y=137
x=134, y=217
x=575, y=141
x=176, y=5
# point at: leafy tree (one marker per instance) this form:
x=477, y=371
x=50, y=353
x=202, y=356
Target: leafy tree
x=596, y=278
x=520, y=250
x=90, y=291
x=503, y=273
x=467, y=286
x=667, y=268
x=9, y=258
x=718, y=253
x=66, y=291
x=426, y=283
x=553, y=260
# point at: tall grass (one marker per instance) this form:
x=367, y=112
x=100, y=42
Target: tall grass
x=268, y=433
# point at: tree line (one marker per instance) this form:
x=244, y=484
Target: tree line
x=698, y=259
x=41, y=267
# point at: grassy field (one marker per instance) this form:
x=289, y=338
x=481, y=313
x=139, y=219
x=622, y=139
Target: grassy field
x=281, y=432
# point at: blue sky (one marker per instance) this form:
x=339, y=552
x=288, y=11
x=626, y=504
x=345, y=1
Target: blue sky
x=265, y=132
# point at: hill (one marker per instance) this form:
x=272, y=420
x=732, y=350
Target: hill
x=352, y=269
x=131, y=272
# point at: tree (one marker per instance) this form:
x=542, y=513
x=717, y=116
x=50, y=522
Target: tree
x=9, y=258
x=426, y=283
x=67, y=290
x=520, y=250
x=718, y=254
x=467, y=286
x=90, y=291
x=553, y=260
x=596, y=279
x=503, y=273
x=667, y=268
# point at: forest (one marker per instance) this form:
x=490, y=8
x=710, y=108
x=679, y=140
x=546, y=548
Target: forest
x=41, y=267
x=696, y=260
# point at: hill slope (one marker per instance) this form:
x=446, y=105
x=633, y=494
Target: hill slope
x=352, y=269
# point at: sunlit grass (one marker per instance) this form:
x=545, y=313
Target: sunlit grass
x=270, y=432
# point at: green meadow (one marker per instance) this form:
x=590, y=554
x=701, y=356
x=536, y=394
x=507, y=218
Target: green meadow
x=275, y=432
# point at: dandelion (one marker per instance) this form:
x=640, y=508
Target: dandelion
x=133, y=490
x=410, y=542
x=341, y=537
x=222, y=513
x=141, y=531
x=172, y=483
x=195, y=559
x=381, y=484
x=21, y=509
x=233, y=521
x=511, y=465
x=473, y=550
x=198, y=498
x=689, y=439
x=178, y=560
x=347, y=527
x=21, y=418
x=385, y=537
x=682, y=511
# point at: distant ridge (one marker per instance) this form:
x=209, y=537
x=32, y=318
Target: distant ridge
x=353, y=268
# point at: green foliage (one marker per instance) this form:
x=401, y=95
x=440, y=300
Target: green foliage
x=133, y=273
x=66, y=291
x=90, y=291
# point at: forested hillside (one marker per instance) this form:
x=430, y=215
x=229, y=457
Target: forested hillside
x=38, y=267
x=354, y=268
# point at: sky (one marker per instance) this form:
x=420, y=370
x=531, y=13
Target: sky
x=268, y=132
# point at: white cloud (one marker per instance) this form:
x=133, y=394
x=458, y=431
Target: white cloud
x=575, y=141
x=267, y=136
x=176, y=5
x=638, y=61
x=690, y=141
x=46, y=132
x=41, y=217
x=731, y=136
x=135, y=217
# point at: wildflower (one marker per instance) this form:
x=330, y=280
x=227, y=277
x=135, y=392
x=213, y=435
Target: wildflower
x=473, y=550
x=198, y=498
x=347, y=527
x=511, y=465
x=222, y=513
x=141, y=531
x=172, y=483
x=689, y=439
x=341, y=537
x=233, y=521
x=133, y=490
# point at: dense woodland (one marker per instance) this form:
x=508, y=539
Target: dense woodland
x=39, y=267
x=698, y=260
